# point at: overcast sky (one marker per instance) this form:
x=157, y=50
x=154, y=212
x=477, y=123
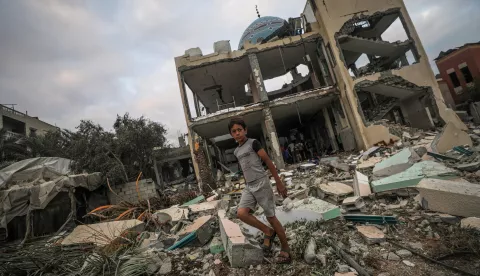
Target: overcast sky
x=92, y=59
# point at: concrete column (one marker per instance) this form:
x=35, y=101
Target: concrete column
x=254, y=89
x=258, y=78
x=374, y=98
x=330, y=131
x=191, y=143
x=271, y=138
x=157, y=175
x=316, y=72
x=197, y=104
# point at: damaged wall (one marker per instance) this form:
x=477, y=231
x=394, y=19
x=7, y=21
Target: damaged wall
x=332, y=15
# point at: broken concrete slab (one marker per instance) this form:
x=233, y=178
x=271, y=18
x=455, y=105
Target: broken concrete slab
x=336, y=189
x=205, y=206
x=361, y=185
x=239, y=251
x=412, y=176
x=196, y=200
x=175, y=213
x=450, y=137
x=335, y=163
x=371, y=234
x=377, y=134
x=314, y=210
x=216, y=246
x=396, y=164
x=469, y=167
x=202, y=228
x=451, y=197
x=353, y=203
x=470, y=222
x=370, y=163
x=102, y=233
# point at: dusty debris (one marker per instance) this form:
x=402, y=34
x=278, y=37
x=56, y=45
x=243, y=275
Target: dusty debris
x=471, y=222
x=371, y=234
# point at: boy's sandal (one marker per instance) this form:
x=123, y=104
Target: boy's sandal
x=282, y=259
x=270, y=239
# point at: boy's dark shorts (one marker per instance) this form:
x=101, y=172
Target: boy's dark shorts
x=259, y=192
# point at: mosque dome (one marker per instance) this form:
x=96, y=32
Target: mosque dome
x=262, y=29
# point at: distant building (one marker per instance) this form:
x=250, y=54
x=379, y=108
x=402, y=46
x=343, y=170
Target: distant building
x=18, y=123
x=459, y=68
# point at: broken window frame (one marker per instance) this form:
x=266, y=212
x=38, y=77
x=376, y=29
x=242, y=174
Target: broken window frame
x=467, y=75
x=454, y=79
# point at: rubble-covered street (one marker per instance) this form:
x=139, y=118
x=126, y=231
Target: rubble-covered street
x=397, y=209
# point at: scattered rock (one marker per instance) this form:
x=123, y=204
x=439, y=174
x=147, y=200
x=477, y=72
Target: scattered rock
x=259, y=267
x=322, y=258
x=217, y=261
x=310, y=251
x=371, y=234
x=471, y=222
x=206, y=266
x=391, y=256
x=416, y=245
x=343, y=268
x=404, y=253
x=166, y=267
x=408, y=263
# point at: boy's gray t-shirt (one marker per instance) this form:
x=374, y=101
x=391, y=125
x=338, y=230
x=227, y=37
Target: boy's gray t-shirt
x=249, y=160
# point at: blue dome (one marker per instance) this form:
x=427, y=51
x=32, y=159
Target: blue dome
x=261, y=29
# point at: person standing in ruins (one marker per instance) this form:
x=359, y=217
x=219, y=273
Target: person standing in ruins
x=258, y=189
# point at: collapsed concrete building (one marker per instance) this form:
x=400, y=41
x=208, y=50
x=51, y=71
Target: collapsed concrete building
x=334, y=104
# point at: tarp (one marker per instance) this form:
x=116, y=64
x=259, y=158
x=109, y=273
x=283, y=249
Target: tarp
x=31, y=184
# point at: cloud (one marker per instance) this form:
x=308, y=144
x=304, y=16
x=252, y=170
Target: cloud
x=70, y=60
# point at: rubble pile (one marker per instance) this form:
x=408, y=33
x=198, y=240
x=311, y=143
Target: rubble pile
x=407, y=208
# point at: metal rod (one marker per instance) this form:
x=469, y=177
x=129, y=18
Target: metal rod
x=430, y=259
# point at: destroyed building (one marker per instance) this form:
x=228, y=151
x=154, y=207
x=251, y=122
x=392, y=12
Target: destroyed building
x=17, y=123
x=334, y=104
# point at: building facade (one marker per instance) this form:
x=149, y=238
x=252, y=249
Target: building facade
x=459, y=68
x=329, y=102
x=18, y=123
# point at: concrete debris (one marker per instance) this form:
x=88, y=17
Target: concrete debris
x=391, y=256
x=404, y=253
x=450, y=137
x=166, y=267
x=408, y=263
x=176, y=214
x=337, y=190
x=310, y=251
x=396, y=164
x=471, y=222
x=239, y=251
x=361, y=185
x=413, y=175
x=371, y=234
x=346, y=274
x=102, y=233
x=370, y=163
x=451, y=197
x=201, y=227
x=354, y=203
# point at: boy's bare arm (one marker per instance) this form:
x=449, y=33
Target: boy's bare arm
x=282, y=190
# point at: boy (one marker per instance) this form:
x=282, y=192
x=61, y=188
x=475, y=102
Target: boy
x=250, y=155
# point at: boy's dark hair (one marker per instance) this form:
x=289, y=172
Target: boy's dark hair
x=236, y=121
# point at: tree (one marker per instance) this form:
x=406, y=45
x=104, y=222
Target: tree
x=135, y=141
x=12, y=148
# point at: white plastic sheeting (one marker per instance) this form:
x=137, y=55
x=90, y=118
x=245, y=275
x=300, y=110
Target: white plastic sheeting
x=32, y=183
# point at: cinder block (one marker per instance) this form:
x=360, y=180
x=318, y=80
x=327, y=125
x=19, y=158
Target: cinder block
x=239, y=251
x=451, y=197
